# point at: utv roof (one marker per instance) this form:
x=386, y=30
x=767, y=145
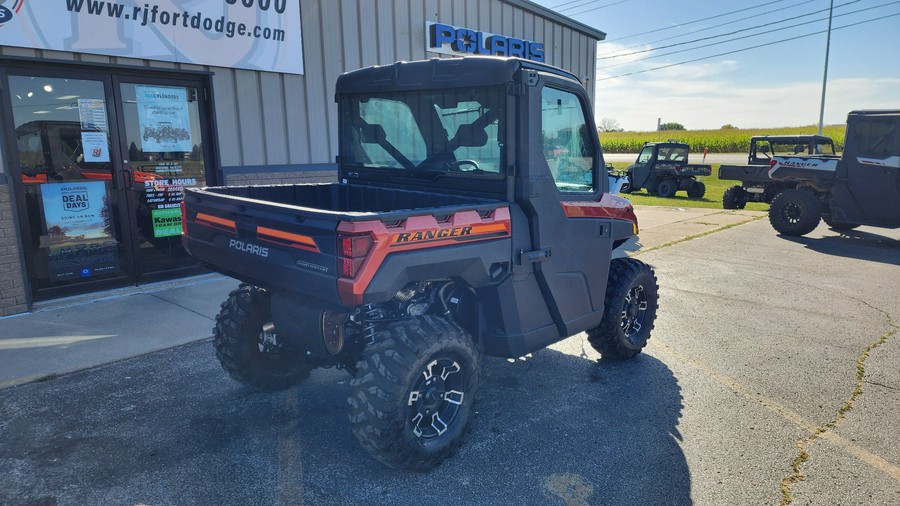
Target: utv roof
x=792, y=138
x=875, y=112
x=661, y=143
x=440, y=73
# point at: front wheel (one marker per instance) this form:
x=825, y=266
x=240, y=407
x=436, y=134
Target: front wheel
x=413, y=395
x=632, y=297
x=734, y=198
x=666, y=188
x=795, y=212
x=247, y=347
x=697, y=191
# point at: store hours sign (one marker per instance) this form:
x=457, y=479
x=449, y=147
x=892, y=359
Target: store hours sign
x=248, y=34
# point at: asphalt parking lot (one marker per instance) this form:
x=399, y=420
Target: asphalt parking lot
x=773, y=373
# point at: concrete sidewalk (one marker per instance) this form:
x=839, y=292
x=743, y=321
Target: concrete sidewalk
x=68, y=335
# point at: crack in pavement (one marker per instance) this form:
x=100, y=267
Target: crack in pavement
x=826, y=429
x=779, y=409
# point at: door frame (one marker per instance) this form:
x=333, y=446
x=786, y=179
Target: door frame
x=110, y=76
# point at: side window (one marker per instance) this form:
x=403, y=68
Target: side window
x=565, y=135
x=874, y=138
x=645, y=155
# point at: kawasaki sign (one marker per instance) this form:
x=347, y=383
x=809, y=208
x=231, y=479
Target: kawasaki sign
x=446, y=39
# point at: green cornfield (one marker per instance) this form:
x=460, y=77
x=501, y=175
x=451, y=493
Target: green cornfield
x=735, y=140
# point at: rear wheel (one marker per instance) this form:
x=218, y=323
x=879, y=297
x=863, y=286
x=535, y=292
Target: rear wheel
x=795, y=212
x=666, y=188
x=414, y=391
x=631, y=302
x=247, y=347
x=734, y=198
x=697, y=191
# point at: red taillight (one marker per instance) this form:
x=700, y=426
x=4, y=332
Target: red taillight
x=183, y=219
x=352, y=251
x=772, y=163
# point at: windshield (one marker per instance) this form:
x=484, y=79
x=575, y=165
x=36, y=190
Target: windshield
x=793, y=146
x=446, y=131
x=672, y=154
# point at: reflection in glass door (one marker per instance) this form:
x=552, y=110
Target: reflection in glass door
x=103, y=160
x=62, y=129
x=163, y=142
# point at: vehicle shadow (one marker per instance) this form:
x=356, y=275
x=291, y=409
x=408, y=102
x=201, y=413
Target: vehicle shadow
x=165, y=429
x=858, y=244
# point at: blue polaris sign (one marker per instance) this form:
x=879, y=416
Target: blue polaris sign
x=448, y=39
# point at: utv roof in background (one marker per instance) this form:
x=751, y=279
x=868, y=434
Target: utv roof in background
x=792, y=138
x=440, y=73
x=875, y=112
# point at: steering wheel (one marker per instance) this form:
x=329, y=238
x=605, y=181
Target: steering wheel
x=458, y=164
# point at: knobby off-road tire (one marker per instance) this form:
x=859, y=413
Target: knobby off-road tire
x=242, y=350
x=666, y=188
x=632, y=298
x=734, y=198
x=697, y=191
x=413, y=394
x=795, y=212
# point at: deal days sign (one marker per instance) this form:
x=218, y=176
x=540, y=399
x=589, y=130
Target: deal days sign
x=249, y=34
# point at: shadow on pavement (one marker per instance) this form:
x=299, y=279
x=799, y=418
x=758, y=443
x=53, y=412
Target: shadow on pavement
x=172, y=428
x=857, y=244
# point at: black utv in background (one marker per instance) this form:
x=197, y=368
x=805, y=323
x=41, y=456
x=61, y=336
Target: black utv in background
x=662, y=168
x=471, y=217
x=861, y=187
x=756, y=185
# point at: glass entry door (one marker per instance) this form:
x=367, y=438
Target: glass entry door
x=102, y=163
x=69, y=181
x=163, y=147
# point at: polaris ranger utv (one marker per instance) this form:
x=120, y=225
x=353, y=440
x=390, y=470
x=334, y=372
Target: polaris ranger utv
x=662, y=168
x=756, y=185
x=861, y=187
x=454, y=232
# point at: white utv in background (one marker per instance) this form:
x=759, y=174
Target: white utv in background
x=862, y=187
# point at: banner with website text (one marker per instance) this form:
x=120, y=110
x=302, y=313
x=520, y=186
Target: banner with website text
x=248, y=34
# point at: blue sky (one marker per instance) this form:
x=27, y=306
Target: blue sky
x=772, y=86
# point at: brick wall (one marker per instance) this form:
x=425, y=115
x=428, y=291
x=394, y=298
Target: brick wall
x=12, y=272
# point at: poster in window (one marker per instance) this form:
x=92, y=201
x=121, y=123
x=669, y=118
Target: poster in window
x=79, y=240
x=96, y=148
x=92, y=114
x=164, y=119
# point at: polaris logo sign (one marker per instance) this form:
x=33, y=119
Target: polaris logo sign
x=446, y=39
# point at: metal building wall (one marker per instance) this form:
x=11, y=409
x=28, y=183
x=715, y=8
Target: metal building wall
x=282, y=120
x=283, y=128
x=266, y=119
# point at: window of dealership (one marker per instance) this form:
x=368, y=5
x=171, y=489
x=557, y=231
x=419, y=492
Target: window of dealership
x=107, y=112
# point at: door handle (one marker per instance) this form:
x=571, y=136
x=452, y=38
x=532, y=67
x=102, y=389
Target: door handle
x=533, y=257
x=128, y=177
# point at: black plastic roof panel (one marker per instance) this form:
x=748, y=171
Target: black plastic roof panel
x=438, y=73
